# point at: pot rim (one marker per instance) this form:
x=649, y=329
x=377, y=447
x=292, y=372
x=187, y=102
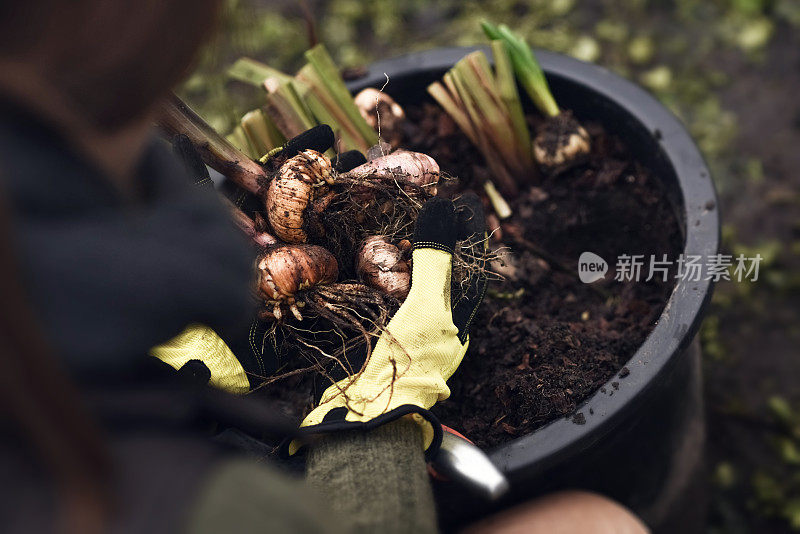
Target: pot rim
x=533, y=453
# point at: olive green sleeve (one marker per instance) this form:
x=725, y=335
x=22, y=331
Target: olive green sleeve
x=245, y=495
x=376, y=481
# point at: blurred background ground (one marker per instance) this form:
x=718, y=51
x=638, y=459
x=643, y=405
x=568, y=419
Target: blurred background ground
x=730, y=69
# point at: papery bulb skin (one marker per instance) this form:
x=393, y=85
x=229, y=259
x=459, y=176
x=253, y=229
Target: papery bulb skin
x=381, y=265
x=418, y=168
x=285, y=270
x=299, y=182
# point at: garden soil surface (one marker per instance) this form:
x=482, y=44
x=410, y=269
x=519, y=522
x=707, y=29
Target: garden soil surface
x=543, y=341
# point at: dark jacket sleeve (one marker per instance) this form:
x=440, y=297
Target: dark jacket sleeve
x=109, y=287
x=110, y=278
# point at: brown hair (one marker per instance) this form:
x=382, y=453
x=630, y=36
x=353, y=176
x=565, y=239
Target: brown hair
x=112, y=58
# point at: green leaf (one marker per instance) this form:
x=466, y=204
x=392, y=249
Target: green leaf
x=529, y=72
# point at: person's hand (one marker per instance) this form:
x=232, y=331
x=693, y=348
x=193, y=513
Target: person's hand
x=198, y=353
x=424, y=342
x=203, y=358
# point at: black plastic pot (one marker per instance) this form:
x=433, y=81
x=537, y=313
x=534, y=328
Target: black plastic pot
x=641, y=443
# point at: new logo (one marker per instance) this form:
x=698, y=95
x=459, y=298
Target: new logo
x=591, y=267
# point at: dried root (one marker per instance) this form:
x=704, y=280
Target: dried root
x=339, y=320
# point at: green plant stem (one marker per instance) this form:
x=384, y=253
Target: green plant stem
x=507, y=85
x=317, y=94
x=487, y=141
x=470, y=109
x=328, y=111
x=239, y=140
x=277, y=138
x=289, y=113
x=258, y=132
x=446, y=100
x=482, y=72
x=254, y=72
x=330, y=77
x=468, y=93
x=478, y=81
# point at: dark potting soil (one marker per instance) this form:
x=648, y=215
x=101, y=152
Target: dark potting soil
x=543, y=341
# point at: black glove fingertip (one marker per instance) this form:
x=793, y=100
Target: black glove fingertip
x=437, y=225
x=349, y=160
x=319, y=138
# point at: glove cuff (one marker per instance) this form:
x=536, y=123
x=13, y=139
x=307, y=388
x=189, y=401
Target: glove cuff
x=433, y=245
x=335, y=422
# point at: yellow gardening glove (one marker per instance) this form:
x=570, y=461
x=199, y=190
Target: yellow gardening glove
x=200, y=346
x=422, y=345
